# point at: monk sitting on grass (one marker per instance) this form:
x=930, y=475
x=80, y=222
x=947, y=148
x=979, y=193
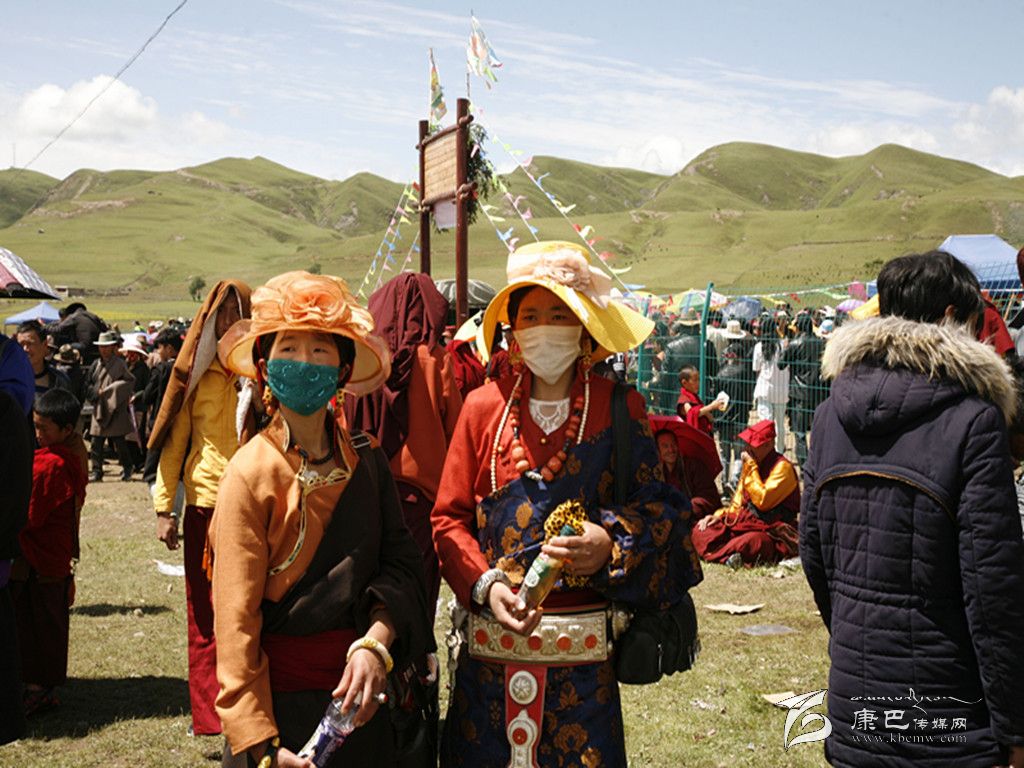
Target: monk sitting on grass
x=759, y=525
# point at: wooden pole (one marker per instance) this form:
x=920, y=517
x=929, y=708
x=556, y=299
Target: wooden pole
x=424, y=210
x=462, y=121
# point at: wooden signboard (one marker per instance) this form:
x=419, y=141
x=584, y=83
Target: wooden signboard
x=444, y=160
x=440, y=169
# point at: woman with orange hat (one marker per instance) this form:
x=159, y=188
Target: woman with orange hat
x=317, y=584
x=533, y=451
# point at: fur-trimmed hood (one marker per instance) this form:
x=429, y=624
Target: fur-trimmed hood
x=951, y=362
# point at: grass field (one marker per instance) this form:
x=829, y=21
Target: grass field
x=126, y=702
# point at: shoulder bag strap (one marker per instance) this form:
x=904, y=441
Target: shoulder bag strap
x=620, y=442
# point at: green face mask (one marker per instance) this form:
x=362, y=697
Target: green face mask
x=302, y=387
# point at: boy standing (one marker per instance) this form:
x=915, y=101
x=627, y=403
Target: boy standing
x=41, y=581
x=690, y=407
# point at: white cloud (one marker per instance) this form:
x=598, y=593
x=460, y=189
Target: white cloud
x=122, y=129
x=121, y=112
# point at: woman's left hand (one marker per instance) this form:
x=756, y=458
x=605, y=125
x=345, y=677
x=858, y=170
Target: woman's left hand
x=583, y=555
x=364, y=674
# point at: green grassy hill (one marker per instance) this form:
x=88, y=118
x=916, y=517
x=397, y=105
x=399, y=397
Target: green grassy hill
x=591, y=188
x=19, y=191
x=746, y=216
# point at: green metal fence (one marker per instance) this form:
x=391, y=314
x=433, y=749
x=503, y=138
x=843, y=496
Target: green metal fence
x=762, y=348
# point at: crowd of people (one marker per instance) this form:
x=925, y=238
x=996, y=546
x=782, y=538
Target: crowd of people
x=324, y=465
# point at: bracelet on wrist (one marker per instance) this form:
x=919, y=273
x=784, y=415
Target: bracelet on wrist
x=375, y=645
x=268, y=757
x=483, y=585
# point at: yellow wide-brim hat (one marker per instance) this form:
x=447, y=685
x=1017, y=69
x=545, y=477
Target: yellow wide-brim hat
x=300, y=301
x=565, y=270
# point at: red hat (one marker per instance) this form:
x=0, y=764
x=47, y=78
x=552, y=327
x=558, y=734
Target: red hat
x=759, y=434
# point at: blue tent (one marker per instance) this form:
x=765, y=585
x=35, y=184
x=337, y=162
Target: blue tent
x=41, y=311
x=991, y=258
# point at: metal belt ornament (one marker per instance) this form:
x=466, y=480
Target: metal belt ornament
x=524, y=712
x=560, y=640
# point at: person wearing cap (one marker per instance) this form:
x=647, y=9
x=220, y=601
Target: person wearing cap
x=317, y=583
x=110, y=391
x=684, y=349
x=195, y=434
x=524, y=445
x=413, y=415
x=909, y=536
x=759, y=525
x=68, y=361
x=135, y=356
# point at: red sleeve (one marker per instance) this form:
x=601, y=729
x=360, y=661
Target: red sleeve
x=51, y=487
x=993, y=330
x=636, y=405
x=454, y=516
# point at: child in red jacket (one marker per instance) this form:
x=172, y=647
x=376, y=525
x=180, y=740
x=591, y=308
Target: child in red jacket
x=41, y=581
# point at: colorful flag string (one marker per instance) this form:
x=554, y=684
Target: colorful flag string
x=383, y=259
x=585, y=233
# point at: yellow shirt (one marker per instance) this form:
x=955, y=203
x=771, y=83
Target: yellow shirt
x=764, y=494
x=205, y=429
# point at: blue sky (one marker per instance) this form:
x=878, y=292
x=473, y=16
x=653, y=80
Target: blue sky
x=332, y=87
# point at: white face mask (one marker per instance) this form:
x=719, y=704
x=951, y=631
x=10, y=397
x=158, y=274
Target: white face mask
x=548, y=350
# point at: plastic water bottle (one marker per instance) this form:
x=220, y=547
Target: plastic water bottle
x=544, y=572
x=333, y=729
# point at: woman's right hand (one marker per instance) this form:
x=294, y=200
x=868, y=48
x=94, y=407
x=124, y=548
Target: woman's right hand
x=510, y=611
x=287, y=759
x=167, y=530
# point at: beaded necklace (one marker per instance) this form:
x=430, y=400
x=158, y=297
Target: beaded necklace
x=511, y=415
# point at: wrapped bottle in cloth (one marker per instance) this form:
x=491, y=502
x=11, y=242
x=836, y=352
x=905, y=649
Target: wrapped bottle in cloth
x=543, y=575
x=331, y=732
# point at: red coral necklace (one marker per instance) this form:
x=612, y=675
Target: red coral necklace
x=512, y=415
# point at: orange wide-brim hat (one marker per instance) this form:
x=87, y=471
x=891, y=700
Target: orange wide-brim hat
x=300, y=301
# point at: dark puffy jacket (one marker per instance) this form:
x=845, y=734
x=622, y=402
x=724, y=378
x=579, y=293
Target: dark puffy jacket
x=736, y=379
x=803, y=358
x=911, y=543
x=80, y=329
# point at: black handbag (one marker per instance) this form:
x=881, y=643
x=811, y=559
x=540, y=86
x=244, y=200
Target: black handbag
x=656, y=643
x=413, y=698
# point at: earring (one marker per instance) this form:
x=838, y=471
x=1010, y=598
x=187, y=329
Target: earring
x=586, y=363
x=339, y=400
x=515, y=356
x=269, y=401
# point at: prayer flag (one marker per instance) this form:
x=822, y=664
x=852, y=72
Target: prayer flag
x=480, y=56
x=437, y=105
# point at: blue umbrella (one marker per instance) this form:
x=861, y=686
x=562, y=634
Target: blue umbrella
x=743, y=308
